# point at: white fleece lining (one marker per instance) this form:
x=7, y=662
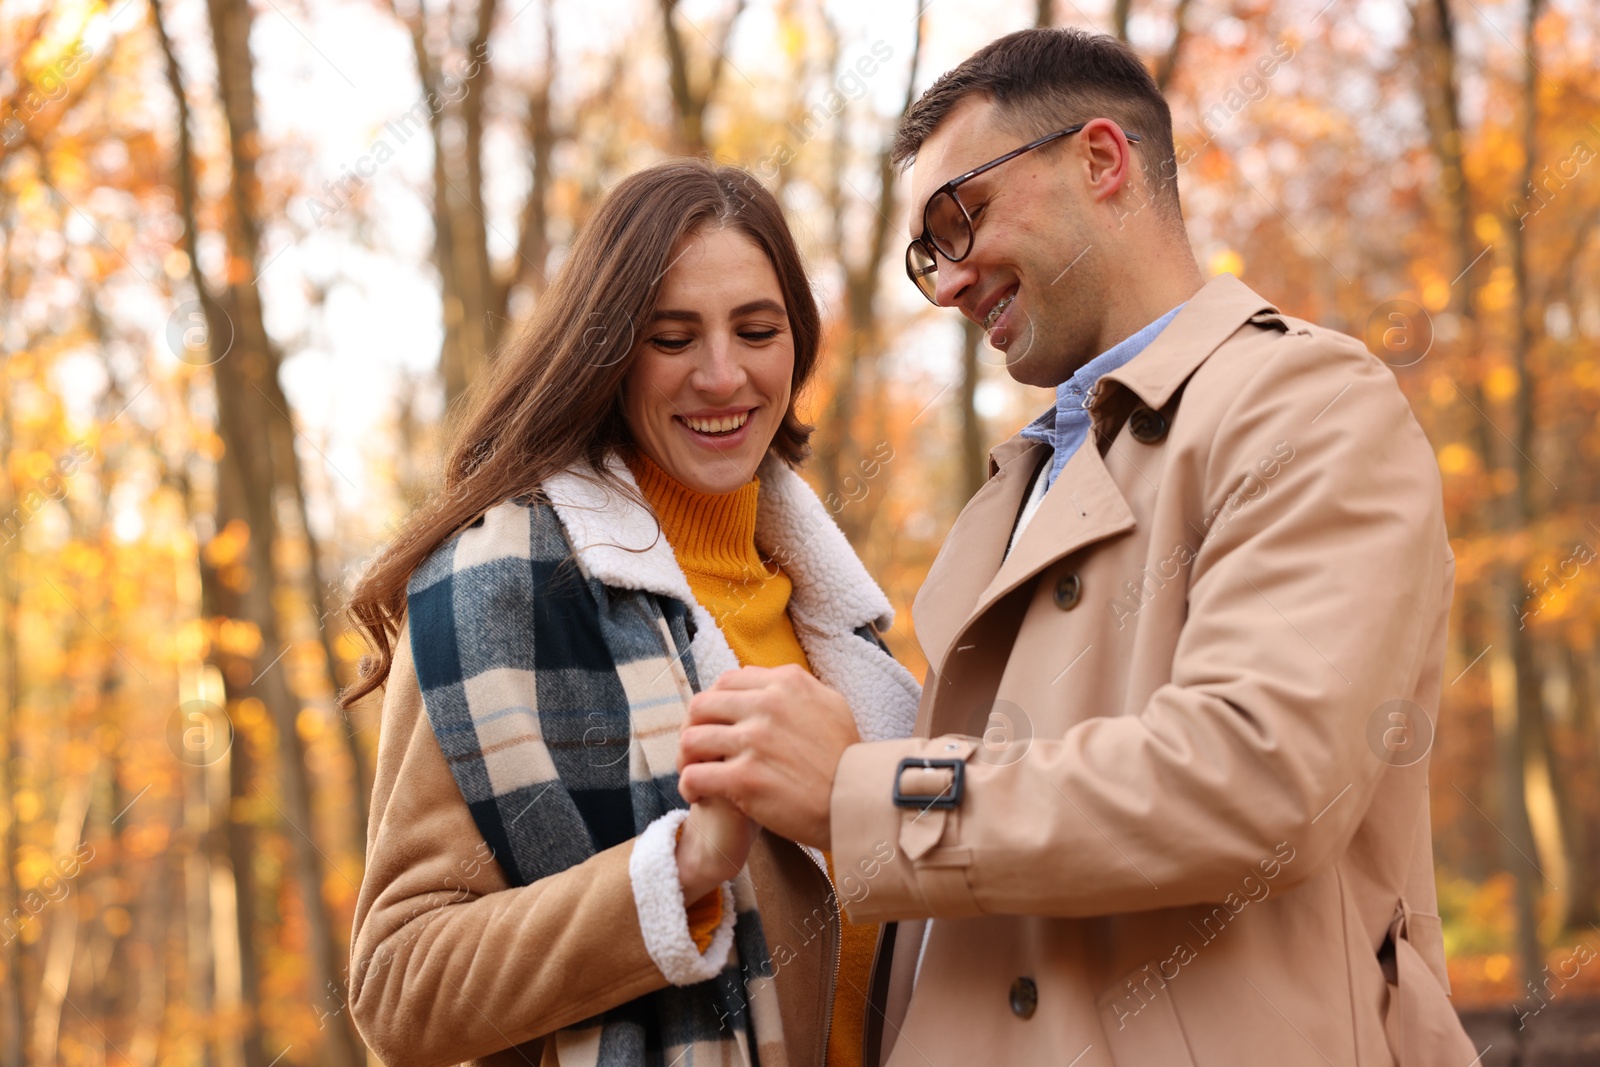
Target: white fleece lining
x=663, y=916
x=620, y=543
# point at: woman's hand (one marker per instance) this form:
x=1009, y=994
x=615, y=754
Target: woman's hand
x=770, y=741
x=712, y=846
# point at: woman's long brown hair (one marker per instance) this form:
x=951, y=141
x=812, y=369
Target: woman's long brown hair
x=551, y=401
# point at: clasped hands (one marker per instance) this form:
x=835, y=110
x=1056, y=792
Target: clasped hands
x=760, y=748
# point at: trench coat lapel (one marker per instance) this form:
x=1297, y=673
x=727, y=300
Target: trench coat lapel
x=1084, y=505
x=973, y=549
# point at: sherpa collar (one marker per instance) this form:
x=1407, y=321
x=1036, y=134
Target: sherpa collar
x=618, y=541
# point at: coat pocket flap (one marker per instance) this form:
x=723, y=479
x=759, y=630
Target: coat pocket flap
x=1426, y=934
x=1430, y=1033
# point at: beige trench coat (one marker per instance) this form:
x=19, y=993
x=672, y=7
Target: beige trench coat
x=1192, y=710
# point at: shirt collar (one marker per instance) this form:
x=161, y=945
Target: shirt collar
x=1070, y=394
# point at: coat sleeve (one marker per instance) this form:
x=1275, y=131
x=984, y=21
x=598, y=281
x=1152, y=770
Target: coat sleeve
x=448, y=962
x=1308, y=610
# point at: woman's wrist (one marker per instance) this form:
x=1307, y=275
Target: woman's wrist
x=698, y=872
x=689, y=943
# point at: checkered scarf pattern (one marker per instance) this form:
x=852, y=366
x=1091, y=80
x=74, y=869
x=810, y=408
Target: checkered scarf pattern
x=557, y=644
x=557, y=703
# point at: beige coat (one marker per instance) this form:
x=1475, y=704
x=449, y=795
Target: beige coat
x=438, y=927
x=1190, y=705
x=449, y=962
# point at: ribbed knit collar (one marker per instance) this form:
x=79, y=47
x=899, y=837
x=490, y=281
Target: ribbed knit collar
x=711, y=534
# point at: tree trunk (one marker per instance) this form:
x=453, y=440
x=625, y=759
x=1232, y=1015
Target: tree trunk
x=1584, y=909
x=1120, y=11
x=974, y=457
x=244, y=377
x=453, y=366
x=62, y=946
x=211, y=877
x=360, y=765
x=156, y=904
x=1180, y=32
x=469, y=229
x=1510, y=661
x=838, y=453
x=1547, y=794
x=533, y=238
x=473, y=299
x=11, y=1002
x=690, y=103
x=255, y=464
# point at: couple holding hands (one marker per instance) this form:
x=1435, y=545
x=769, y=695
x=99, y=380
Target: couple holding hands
x=651, y=789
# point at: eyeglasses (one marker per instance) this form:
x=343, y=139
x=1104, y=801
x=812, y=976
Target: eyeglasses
x=947, y=224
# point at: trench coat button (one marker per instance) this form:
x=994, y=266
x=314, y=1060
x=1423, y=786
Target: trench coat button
x=1147, y=425
x=1024, y=998
x=1069, y=590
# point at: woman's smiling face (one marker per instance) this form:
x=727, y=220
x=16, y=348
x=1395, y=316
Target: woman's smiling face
x=713, y=370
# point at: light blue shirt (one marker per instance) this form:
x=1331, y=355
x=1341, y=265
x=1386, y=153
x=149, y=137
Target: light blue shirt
x=1065, y=426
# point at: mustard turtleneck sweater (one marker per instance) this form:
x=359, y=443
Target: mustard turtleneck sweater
x=714, y=540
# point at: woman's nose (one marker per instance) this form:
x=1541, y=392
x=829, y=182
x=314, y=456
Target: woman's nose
x=718, y=372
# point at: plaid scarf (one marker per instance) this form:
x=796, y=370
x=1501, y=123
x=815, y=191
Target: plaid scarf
x=549, y=639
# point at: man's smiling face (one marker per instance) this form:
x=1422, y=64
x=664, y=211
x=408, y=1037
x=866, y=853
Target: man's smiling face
x=1027, y=278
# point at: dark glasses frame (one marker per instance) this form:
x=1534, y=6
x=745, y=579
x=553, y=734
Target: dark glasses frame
x=925, y=267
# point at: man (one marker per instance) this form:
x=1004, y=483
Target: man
x=1167, y=802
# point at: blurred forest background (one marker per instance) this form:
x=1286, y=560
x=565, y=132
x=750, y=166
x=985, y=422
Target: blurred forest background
x=251, y=252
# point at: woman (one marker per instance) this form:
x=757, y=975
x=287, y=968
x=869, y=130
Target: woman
x=620, y=524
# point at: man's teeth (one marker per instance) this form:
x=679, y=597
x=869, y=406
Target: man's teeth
x=725, y=424
x=996, y=311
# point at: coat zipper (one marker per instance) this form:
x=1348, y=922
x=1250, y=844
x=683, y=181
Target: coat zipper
x=838, y=948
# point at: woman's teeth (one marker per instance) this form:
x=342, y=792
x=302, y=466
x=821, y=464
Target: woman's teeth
x=725, y=424
x=996, y=311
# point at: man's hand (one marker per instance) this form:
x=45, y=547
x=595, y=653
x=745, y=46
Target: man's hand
x=769, y=740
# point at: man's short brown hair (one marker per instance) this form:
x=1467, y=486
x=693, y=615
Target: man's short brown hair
x=1043, y=80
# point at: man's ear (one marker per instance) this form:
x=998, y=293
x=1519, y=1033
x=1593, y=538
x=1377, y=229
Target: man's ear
x=1107, y=158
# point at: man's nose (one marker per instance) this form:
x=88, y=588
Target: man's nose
x=951, y=281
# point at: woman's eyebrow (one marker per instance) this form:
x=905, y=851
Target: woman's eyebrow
x=684, y=315
x=764, y=304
